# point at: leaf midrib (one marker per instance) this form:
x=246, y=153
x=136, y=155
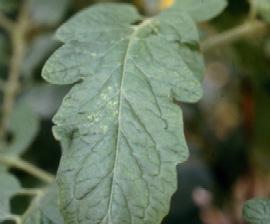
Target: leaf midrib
x=137, y=29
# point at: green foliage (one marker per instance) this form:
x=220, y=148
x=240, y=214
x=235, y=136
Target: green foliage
x=40, y=47
x=201, y=10
x=23, y=128
x=3, y=51
x=9, y=186
x=44, y=209
x=22, y=137
x=121, y=132
x=45, y=99
x=257, y=211
x=120, y=127
x=48, y=12
x=8, y=6
x=263, y=8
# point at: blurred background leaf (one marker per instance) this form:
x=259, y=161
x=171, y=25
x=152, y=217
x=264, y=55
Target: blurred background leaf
x=9, y=186
x=44, y=99
x=24, y=126
x=39, y=48
x=48, y=12
x=8, y=6
x=263, y=8
x=44, y=208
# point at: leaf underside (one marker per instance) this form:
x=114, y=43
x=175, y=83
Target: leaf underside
x=257, y=211
x=122, y=134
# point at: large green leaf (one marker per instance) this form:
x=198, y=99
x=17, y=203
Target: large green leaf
x=202, y=10
x=257, y=211
x=9, y=185
x=121, y=132
x=44, y=209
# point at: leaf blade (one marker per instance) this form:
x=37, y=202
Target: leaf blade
x=202, y=10
x=9, y=185
x=257, y=211
x=115, y=167
x=22, y=137
x=44, y=209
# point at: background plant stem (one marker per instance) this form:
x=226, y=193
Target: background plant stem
x=27, y=167
x=18, y=32
x=249, y=28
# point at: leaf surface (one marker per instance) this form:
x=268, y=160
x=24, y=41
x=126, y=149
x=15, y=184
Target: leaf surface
x=121, y=132
x=38, y=50
x=263, y=8
x=202, y=10
x=45, y=99
x=48, y=12
x=9, y=185
x=44, y=209
x=257, y=211
x=24, y=125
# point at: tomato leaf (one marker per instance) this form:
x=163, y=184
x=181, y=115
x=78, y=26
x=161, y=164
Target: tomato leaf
x=257, y=211
x=121, y=131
